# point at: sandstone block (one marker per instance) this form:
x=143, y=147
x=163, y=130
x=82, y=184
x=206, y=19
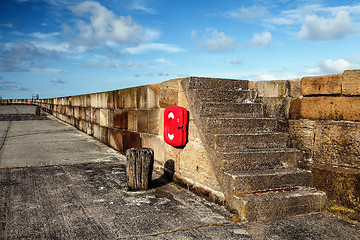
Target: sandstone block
x=157, y=143
x=278, y=88
x=77, y=112
x=351, y=82
x=120, y=119
x=95, y=117
x=116, y=139
x=76, y=101
x=302, y=135
x=337, y=143
x=141, y=95
x=129, y=98
x=326, y=108
x=104, y=117
x=195, y=165
x=131, y=140
x=295, y=88
x=321, y=85
x=341, y=185
x=154, y=121
x=132, y=120
x=182, y=100
x=153, y=96
x=276, y=107
x=142, y=121
x=168, y=97
x=119, y=99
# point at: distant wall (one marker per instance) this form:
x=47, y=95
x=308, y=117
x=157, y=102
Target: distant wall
x=133, y=117
x=324, y=115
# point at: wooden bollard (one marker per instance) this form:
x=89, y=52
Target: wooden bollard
x=139, y=168
x=37, y=111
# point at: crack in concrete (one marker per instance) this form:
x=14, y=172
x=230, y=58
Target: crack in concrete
x=173, y=231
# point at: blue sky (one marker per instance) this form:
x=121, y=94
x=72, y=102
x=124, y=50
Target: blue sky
x=67, y=47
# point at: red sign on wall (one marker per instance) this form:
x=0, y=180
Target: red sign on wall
x=175, y=122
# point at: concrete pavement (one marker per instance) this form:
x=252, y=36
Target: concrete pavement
x=58, y=183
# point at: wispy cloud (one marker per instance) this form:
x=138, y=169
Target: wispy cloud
x=98, y=25
x=57, y=81
x=330, y=66
x=261, y=40
x=142, y=48
x=22, y=56
x=215, y=41
x=248, y=13
x=10, y=85
x=142, y=5
x=321, y=28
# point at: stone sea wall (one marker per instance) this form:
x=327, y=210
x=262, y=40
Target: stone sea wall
x=323, y=114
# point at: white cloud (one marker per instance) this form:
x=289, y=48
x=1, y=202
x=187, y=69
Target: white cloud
x=140, y=5
x=168, y=48
x=263, y=39
x=216, y=41
x=57, y=81
x=264, y=77
x=102, y=25
x=237, y=61
x=320, y=28
x=44, y=35
x=250, y=13
x=329, y=67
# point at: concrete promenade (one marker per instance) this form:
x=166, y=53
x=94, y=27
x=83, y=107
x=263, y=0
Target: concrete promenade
x=59, y=183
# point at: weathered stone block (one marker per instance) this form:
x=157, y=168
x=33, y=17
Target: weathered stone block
x=129, y=98
x=104, y=117
x=132, y=120
x=276, y=107
x=95, y=115
x=157, y=143
x=351, y=82
x=321, y=85
x=142, y=121
x=141, y=97
x=337, y=143
x=182, y=100
x=153, y=96
x=302, y=135
x=195, y=165
x=295, y=88
x=118, y=99
x=116, y=139
x=88, y=114
x=326, y=108
x=252, y=85
x=120, y=119
x=76, y=101
x=77, y=112
x=278, y=88
x=168, y=97
x=340, y=185
x=154, y=121
x=131, y=140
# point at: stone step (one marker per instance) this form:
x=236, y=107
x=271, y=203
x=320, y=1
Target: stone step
x=216, y=83
x=238, y=125
x=260, y=159
x=224, y=95
x=234, y=110
x=261, y=180
x=244, y=141
x=278, y=204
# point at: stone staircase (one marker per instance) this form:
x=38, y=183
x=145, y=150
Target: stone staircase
x=256, y=169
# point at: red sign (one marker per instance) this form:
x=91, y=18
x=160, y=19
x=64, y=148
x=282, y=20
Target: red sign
x=175, y=122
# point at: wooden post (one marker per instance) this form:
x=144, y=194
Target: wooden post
x=37, y=111
x=139, y=167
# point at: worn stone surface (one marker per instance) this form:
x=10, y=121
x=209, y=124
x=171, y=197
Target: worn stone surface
x=120, y=119
x=119, y=99
x=321, y=85
x=142, y=121
x=279, y=88
x=168, y=93
x=131, y=140
x=154, y=121
x=295, y=88
x=95, y=115
x=326, y=108
x=341, y=185
x=337, y=143
x=351, y=82
x=116, y=139
x=129, y=98
x=132, y=120
x=276, y=107
x=106, y=119
x=302, y=136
